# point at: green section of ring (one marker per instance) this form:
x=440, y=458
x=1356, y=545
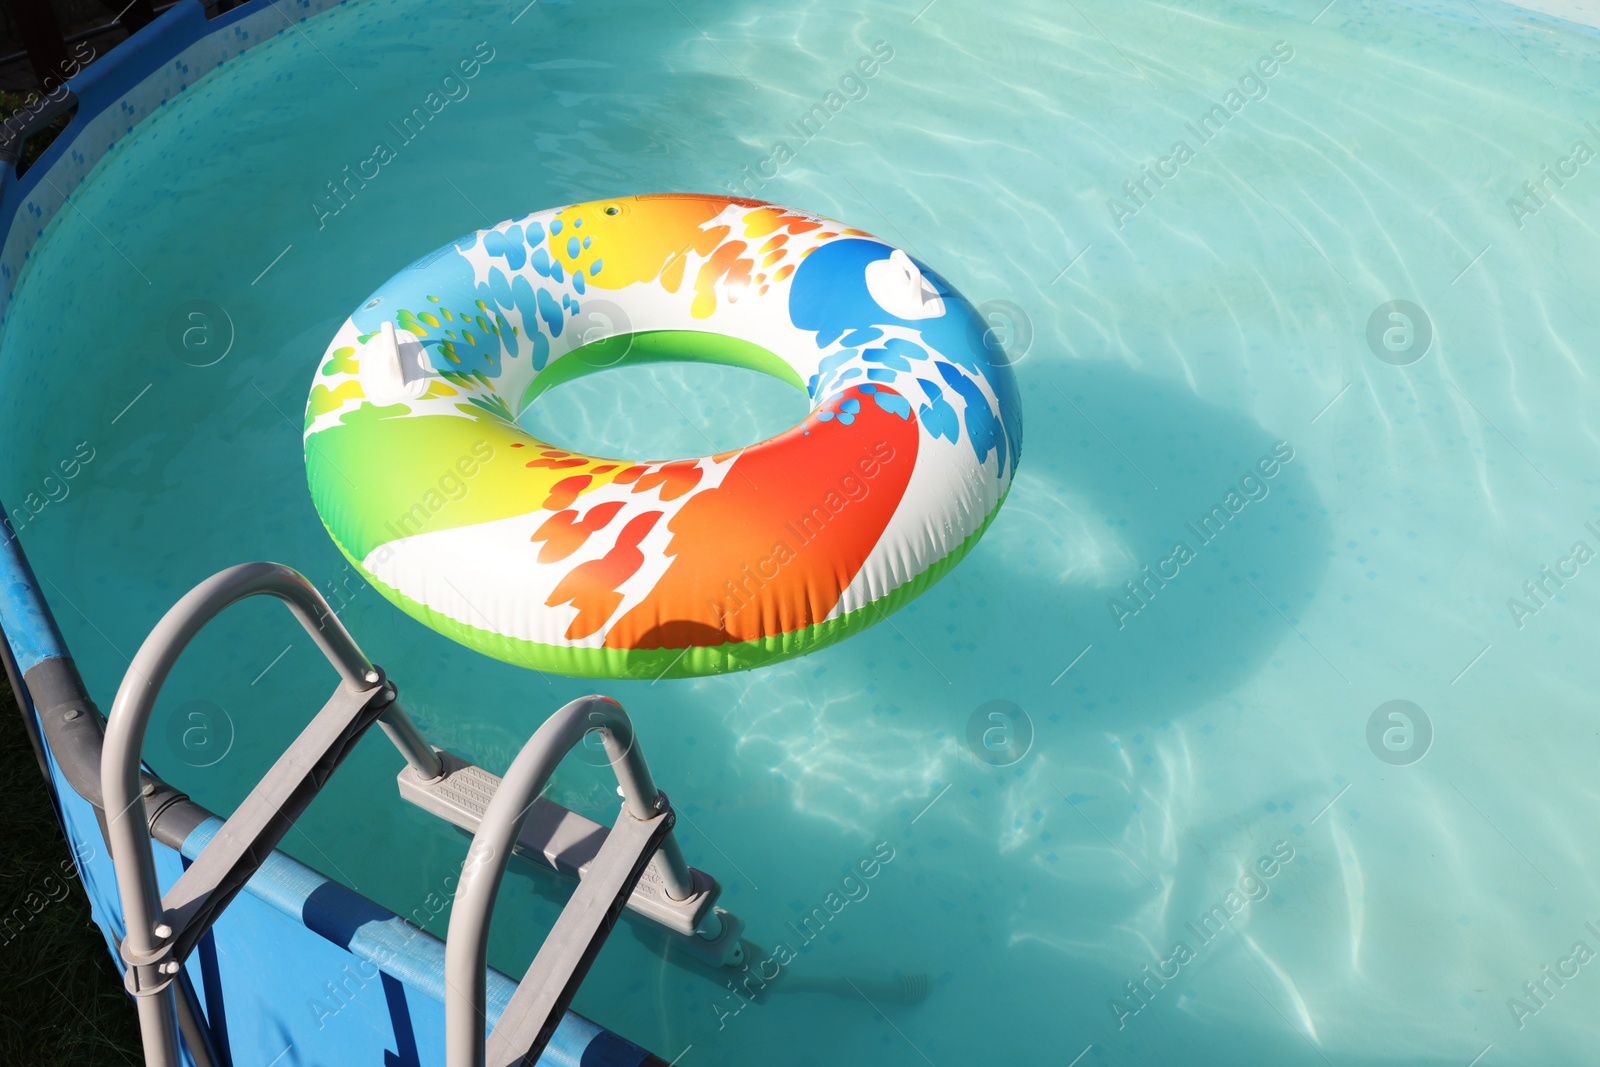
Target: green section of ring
x=659, y=346
x=382, y=479
x=655, y=663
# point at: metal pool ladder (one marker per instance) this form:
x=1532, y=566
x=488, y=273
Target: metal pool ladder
x=635, y=864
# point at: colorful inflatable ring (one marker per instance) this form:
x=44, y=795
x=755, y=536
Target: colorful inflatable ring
x=617, y=568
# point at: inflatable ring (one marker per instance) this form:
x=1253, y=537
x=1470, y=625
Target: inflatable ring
x=609, y=567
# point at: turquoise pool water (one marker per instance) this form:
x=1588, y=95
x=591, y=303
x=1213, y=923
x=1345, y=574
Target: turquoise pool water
x=1215, y=753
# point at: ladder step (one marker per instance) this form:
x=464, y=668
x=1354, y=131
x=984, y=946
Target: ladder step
x=554, y=838
x=250, y=834
x=563, y=960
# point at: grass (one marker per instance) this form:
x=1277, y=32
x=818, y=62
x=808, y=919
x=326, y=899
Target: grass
x=33, y=147
x=63, y=1002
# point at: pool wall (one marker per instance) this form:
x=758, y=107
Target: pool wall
x=299, y=969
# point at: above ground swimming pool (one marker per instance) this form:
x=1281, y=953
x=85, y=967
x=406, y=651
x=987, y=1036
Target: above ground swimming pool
x=1255, y=729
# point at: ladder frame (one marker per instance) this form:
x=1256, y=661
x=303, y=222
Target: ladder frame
x=642, y=832
x=161, y=931
x=159, y=935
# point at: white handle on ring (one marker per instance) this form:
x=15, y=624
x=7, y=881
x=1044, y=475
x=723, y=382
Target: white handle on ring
x=394, y=366
x=900, y=289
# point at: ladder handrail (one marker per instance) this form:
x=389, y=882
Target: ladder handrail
x=466, y=943
x=161, y=931
x=148, y=939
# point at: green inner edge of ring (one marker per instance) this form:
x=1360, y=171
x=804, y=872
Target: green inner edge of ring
x=659, y=346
